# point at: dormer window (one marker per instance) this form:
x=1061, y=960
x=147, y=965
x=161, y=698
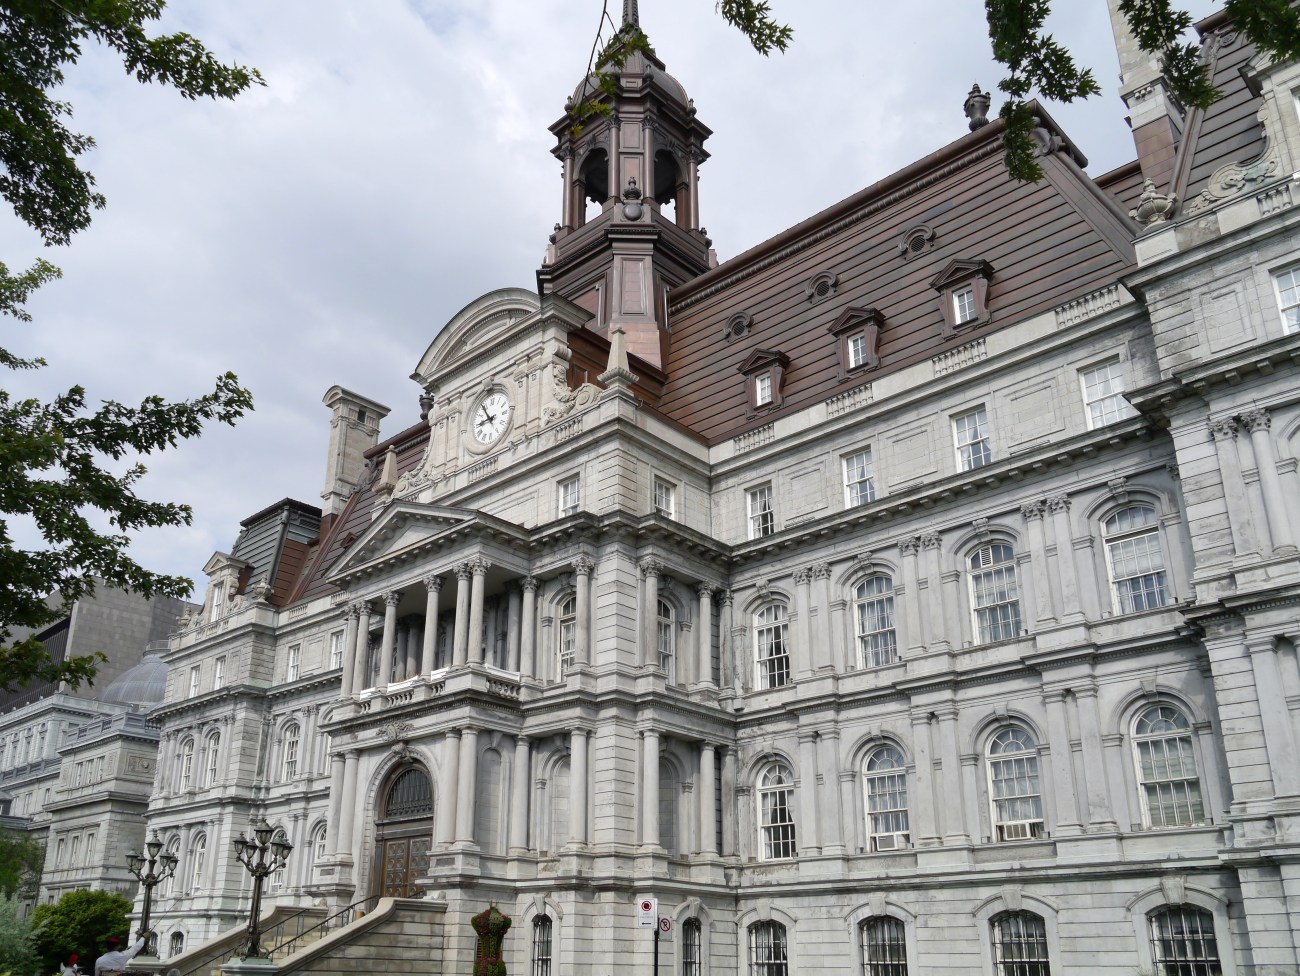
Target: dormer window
x=963, y=286
x=858, y=333
x=764, y=371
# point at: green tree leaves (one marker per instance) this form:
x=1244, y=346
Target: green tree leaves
x=80, y=922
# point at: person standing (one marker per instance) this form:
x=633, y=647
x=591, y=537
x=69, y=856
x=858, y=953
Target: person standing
x=113, y=962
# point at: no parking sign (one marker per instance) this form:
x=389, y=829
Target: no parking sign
x=665, y=928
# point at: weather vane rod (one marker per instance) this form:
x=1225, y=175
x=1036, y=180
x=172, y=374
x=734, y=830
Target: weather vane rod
x=631, y=16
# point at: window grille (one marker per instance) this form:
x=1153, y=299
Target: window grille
x=1020, y=945
x=410, y=796
x=1183, y=942
x=885, y=785
x=1014, y=784
x=874, y=606
x=541, y=955
x=691, y=961
x=1166, y=768
x=1136, y=562
x=773, y=656
x=884, y=947
x=767, y=950
x=994, y=593
x=776, y=812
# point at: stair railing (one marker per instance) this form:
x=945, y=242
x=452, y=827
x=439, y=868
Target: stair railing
x=341, y=918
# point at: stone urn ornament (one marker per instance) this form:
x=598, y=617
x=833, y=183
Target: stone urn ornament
x=632, y=208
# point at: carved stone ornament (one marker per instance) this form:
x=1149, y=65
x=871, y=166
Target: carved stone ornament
x=1153, y=206
x=976, y=107
x=632, y=208
x=394, y=731
x=1233, y=179
x=567, y=400
x=261, y=592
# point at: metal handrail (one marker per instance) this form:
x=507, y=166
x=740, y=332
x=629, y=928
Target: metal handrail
x=341, y=918
x=298, y=917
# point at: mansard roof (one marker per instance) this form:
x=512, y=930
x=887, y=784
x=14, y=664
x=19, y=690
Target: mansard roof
x=1050, y=241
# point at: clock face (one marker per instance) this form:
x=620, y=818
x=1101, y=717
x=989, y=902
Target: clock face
x=491, y=418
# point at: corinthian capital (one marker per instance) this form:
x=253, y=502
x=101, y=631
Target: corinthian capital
x=1254, y=420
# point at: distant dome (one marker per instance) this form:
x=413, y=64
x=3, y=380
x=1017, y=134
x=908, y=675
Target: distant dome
x=144, y=684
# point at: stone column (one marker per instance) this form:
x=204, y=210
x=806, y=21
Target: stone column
x=852, y=811
x=1279, y=732
x=349, y=649
x=1066, y=568
x=308, y=745
x=411, y=659
x=467, y=788
x=582, y=569
x=528, y=636
x=730, y=802
x=704, y=641
x=693, y=178
x=1257, y=422
x=1094, y=769
x=447, y=800
x=650, y=569
x=727, y=664
x=708, y=794
x=650, y=789
x=347, y=813
x=513, y=605
x=1240, y=522
x=799, y=648
x=952, y=604
x=925, y=834
x=336, y=803
x=956, y=830
x=578, y=787
x=1033, y=515
x=938, y=636
x=744, y=835
x=361, y=652
x=460, y=640
x=1058, y=735
x=433, y=589
x=806, y=831
x=389, y=641
x=910, y=602
x=478, y=568
x=818, y=625
x=615, y=150
x=566, y=195
x=1116, y=758
x=828, y=765
x=519, y=781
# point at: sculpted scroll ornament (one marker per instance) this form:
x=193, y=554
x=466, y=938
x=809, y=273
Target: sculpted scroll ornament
x=1232, y=179
x=567, y=400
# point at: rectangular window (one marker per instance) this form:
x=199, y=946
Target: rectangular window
x=90, y=847
x=75, y=857
x=857, y=345
x=1288, y=298
x=59, y=851
x=1103, y=394
x=336, y=650
x=295, y=662
x=859, y=485
x=218, y=602
x=195, y=674
x=963, y=305
x=99, y=769
x=219, y=673
x=762, y=520
x=665, y=498
x=762, y=389
x=570, y=496
x=971, y=432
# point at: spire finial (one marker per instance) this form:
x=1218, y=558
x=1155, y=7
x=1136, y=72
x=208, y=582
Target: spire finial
x=631, y=16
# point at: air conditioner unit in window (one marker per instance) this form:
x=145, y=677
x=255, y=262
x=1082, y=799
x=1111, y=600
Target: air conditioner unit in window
x=890, y=842
x=1020, y=830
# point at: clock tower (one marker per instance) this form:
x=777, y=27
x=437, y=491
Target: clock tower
x=630, y=219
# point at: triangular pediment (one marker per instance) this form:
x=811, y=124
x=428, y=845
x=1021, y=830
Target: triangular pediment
x=852, y=318
x=221, y=560
x=402, y=528
x=962, y=269
x=763, y=358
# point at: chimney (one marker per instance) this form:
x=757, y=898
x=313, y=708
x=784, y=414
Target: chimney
x=1155, y=116
x=354, y=429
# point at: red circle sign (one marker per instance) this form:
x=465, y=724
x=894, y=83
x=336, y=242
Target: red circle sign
x=665, y=923
x=647, y=906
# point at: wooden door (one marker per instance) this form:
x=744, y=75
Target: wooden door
x=405, y=860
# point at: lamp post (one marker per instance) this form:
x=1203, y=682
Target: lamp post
x=260, y=856
x=150, y=870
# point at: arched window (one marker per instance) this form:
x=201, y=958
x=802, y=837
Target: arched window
x=993, y=593
x=668, y=793
x=1019, y=944
x=767, y=950
x=278, y=875
x=410, y=797
x=776, y=811
x=211, y=750
x=541, y=954
x=318, y=852
x=289, y=763
x=176, y=944
x=187, y=763
x=566, y=648
x=665, y=639
x=884, y=946
x=884, y=779
x=874, y=613
x=1183, y=942
x=692, y=964
x=1134, y=559
x=198, y=855
x=1013, y=784
x=1166, y=768
x=772, y=653
x=169, y=884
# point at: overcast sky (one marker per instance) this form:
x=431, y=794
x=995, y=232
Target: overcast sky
x=396, y=165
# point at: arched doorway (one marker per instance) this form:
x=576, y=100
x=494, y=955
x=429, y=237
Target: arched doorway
x=405, y=832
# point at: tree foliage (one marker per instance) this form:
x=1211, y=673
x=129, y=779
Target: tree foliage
x=22, y=858
x=80, y=922
x=67, y=468
x=18, y=955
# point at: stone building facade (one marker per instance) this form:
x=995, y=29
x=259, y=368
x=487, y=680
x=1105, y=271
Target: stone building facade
x=914, y=593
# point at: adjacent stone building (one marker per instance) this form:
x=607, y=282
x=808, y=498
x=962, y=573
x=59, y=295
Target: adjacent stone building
x=915, y=592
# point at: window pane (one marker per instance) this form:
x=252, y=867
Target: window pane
x=776, y=812
x=859, y=484
x=875, y=622
x=970, y=431
x=1288, y=293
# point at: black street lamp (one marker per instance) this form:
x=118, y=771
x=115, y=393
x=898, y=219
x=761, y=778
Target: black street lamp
x=150, y=870
x=260, y=856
